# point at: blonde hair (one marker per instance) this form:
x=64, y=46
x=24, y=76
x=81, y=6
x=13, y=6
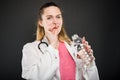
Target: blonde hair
x=62, y=36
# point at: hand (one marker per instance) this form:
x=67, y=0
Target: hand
x=86, y=54
x=87, y=47
x=52, y=38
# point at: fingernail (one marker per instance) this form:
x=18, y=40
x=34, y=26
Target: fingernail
x=83, y=38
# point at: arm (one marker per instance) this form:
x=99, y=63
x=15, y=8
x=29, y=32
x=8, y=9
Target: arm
x=85, y=61
x=88, y=73
x=38, y=66
x=91, y=72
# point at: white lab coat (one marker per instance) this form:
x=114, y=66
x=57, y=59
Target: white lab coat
x=39, y=66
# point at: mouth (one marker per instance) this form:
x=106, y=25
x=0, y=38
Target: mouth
x=54, y=28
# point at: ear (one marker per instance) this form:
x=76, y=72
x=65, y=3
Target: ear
x=40, y=23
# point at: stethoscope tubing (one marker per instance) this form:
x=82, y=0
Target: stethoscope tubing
x=41, y=44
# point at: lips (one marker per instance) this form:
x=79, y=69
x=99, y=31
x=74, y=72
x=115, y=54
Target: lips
x=54, y=28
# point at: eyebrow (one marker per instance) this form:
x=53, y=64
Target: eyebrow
x=56, y=15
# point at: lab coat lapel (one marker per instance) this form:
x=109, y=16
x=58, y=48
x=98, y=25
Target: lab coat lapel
x=70, y=49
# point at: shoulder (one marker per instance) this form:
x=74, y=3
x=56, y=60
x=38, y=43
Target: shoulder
x=30, y=48
x=29, y=45
x=67, y=44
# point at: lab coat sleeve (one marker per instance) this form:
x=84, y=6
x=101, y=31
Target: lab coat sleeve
x=35, y=67
x=91, y=72
x=88, y=73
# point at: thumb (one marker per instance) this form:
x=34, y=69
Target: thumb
x=83, y=39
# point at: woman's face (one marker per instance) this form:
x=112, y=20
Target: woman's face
x=51, y=20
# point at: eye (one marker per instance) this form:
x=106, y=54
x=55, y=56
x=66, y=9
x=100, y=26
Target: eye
x=58, y=17
x=48, y=18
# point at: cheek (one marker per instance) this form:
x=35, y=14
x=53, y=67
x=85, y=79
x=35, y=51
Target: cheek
x=59, y=29
x=46, y=25
x=60, y=25
x=61, y=21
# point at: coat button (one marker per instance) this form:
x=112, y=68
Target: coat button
x=55, y=57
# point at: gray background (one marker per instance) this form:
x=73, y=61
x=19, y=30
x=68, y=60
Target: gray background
x=97, y=20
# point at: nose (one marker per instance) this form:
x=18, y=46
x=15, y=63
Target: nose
x=55, y=21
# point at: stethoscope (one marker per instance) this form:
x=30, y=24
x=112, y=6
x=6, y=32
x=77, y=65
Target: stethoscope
x=42, y=44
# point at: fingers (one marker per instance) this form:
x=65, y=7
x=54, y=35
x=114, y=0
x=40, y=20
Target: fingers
x=86, y=53
x=86, y=46
x=82, y=54
x=86, y=58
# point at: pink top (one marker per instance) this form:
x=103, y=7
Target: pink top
x=67, y=64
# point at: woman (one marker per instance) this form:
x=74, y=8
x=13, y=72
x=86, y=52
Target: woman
x=53, y=55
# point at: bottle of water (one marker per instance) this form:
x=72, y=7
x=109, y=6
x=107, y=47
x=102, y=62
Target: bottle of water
x=79, y=46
